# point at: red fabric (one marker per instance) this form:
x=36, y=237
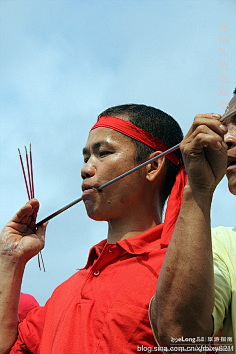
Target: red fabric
x=134, y=132
x=173, y=206
x=103, y=308
x=26, y=304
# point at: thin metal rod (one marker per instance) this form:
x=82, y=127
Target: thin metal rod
x=227, y=115
x=59, y=211
x=29, y=176
x=23, y=170
x=31, y=170
x=139, y=166
x=121, y=176
x=108, y=183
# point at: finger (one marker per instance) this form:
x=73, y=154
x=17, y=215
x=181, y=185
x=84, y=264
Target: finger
x=211, y=120
x=41, y=230
x=26, y=211
x=202, y=137
x=213, y=124
x=18, y=227
x=209, y=116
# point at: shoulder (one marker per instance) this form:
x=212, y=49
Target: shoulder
x=224, y=246
x=222, y=230
x=224, y=236
x=26, y=304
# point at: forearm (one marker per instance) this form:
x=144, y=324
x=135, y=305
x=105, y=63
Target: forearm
x=19, y=242
x=11, y=273
x=184, y=297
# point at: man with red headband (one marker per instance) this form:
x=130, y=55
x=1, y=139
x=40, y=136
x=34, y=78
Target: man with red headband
x=103, y=308
x=195, y=300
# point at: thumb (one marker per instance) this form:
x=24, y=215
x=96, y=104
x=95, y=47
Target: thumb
x=41, y=231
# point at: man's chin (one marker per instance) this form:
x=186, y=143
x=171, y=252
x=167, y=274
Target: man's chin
x=96, y=217
x=232, y=181
x=232, y=190
x=94, y=214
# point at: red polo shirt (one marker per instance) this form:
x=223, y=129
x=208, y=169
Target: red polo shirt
x=103, y=308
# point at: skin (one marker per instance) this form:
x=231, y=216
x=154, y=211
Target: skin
x=130, y=206
x=230, y=139
x=184, y=298
x=19, y=242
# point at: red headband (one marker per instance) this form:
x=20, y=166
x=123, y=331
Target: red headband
x=134, y=132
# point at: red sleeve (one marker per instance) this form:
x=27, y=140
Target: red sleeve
x=30, y=332
x=27, y=303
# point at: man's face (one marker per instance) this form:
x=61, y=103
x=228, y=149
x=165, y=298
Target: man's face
x=108, y=154
x=230, y=139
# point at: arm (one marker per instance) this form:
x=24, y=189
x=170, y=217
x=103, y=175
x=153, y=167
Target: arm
x=18, y=243
x=184, y=298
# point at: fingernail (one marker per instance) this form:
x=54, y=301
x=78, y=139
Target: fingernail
x=216, y=115
x=223, y=128
x=225, y=145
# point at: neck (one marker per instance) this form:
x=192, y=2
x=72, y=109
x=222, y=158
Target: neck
x=134, y=224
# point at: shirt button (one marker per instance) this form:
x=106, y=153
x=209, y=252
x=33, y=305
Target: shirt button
x=96, y=273
x=110, y=251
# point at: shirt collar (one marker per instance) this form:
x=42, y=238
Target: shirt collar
x=143, y=243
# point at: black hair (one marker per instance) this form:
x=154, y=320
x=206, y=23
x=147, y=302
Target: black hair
x=159, y=124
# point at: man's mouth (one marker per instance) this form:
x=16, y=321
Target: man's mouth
x=88, y=190
x=88, y=186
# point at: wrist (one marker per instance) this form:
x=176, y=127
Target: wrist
x=205, y=192
x=201, y=197
x=12, y=265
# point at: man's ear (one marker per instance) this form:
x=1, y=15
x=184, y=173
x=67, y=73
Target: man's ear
x=154, y=168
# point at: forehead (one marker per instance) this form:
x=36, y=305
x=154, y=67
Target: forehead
x=231, y=107
x=109, y=136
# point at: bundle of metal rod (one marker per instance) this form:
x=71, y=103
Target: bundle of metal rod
x=29, y=184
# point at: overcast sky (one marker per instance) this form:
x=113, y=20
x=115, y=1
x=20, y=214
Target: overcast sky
x=63, y=62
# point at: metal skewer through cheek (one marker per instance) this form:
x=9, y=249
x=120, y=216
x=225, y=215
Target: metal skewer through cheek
x=121, y=176
x=108, y=183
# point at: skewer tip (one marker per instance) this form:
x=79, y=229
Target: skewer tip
x=222, y=119
x=19, y=151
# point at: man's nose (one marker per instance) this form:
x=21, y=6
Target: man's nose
x=230, y=137
x=88, y=170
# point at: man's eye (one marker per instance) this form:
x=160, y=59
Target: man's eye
x=103, y=153
x=86, y=159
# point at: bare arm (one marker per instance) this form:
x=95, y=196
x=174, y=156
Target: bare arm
x=18, y=243
x=184, y=298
